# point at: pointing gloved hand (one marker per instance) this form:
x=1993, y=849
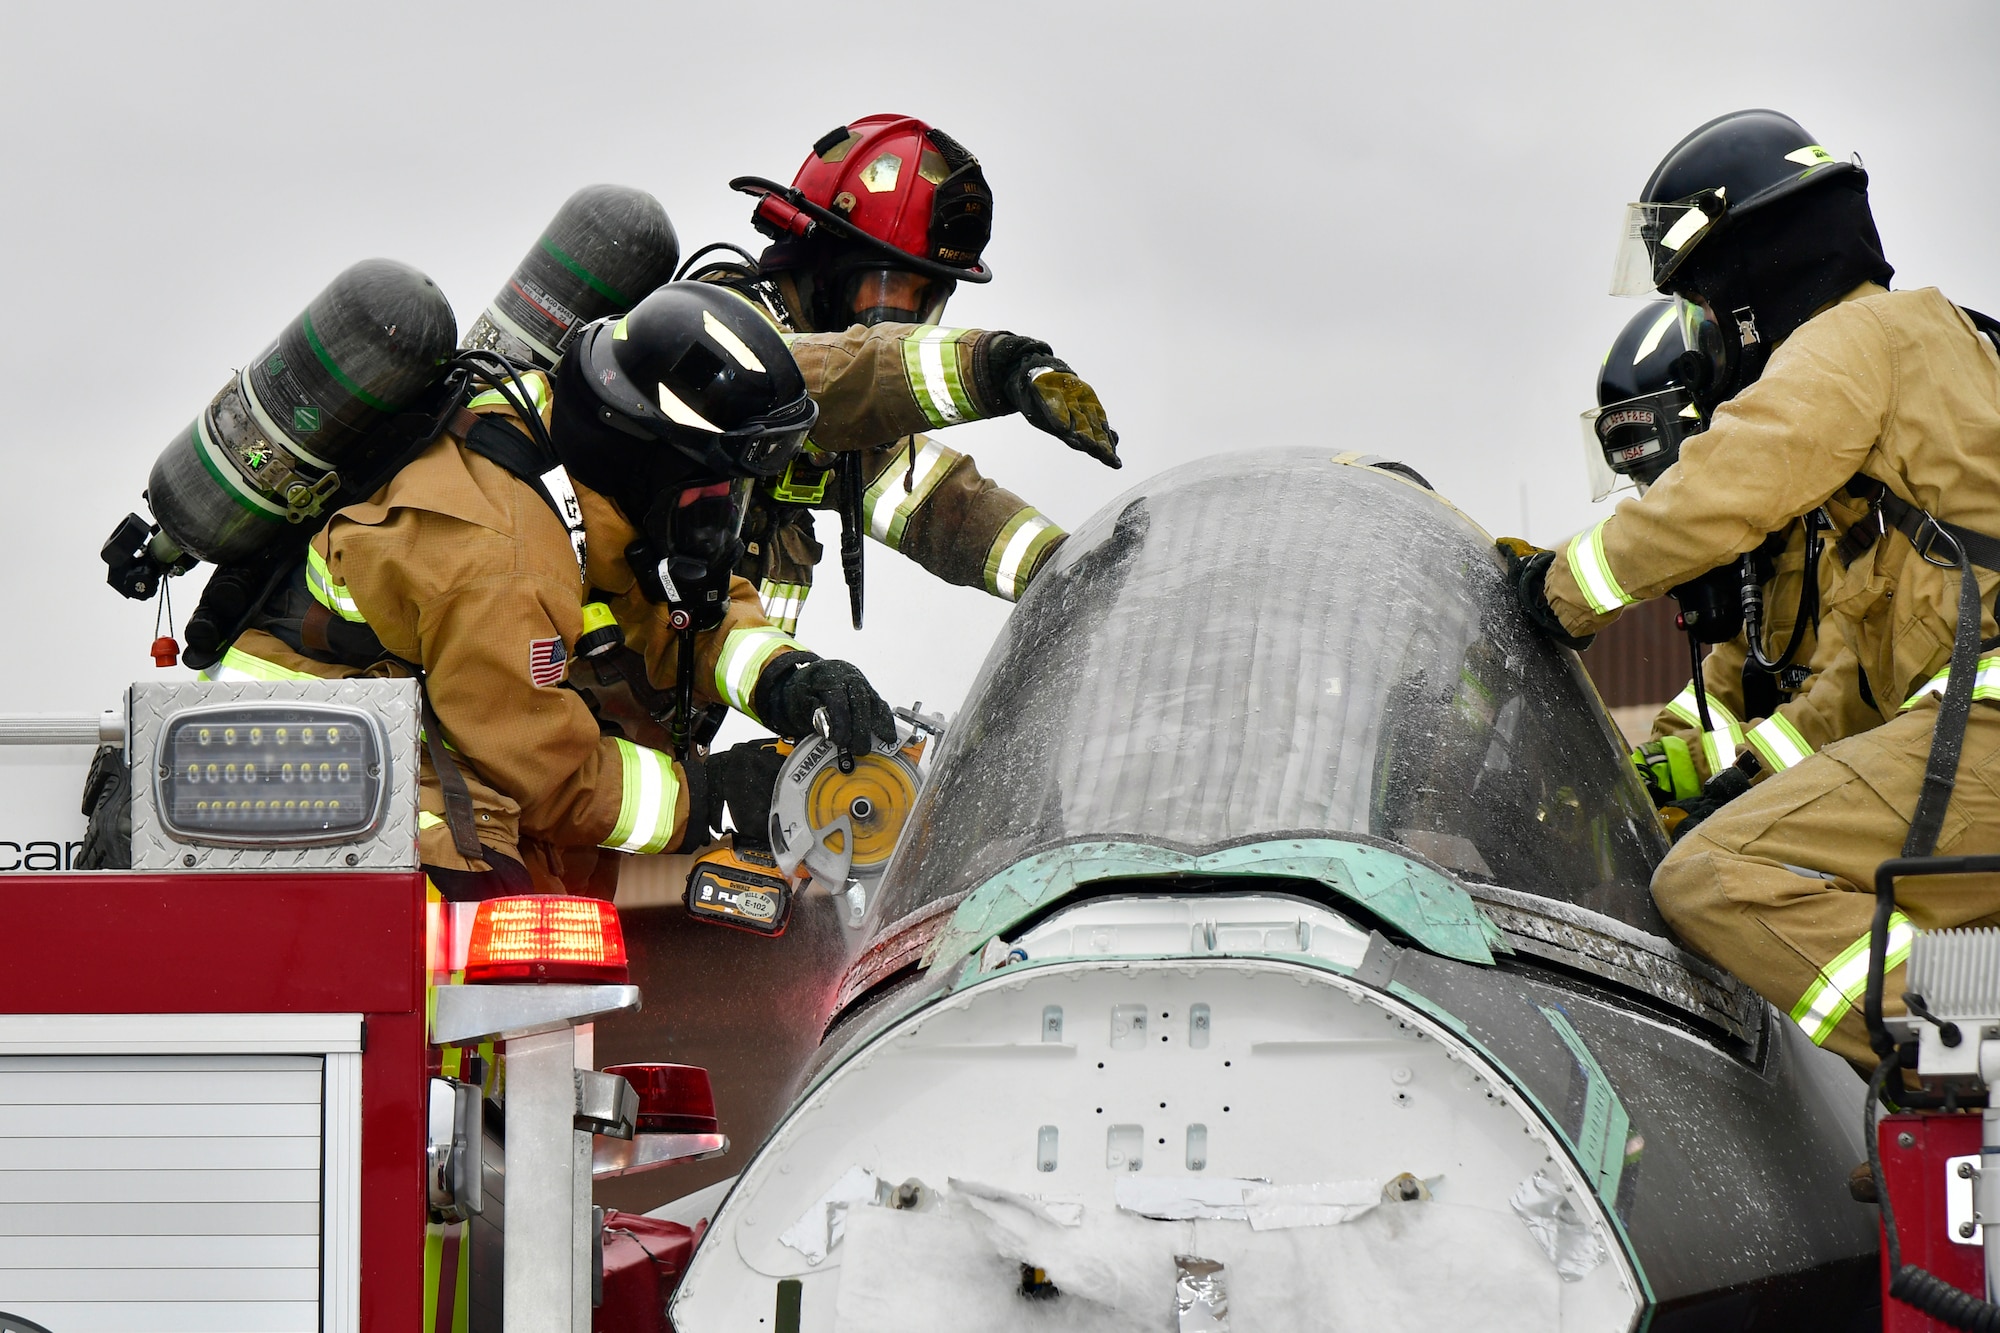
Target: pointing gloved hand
x=800, y=694
x=1527, y=570
x=1052, y=397
x=741, y=779
x=1718, y=791
x=1667, y=768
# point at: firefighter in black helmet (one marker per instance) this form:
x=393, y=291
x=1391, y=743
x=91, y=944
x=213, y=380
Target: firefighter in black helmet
x=1784, y=693
x=1820, y=387
x=608, y=502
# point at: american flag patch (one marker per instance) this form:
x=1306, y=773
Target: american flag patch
x=548, y=661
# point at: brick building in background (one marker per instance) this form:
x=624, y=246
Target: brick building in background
x=1639, y=662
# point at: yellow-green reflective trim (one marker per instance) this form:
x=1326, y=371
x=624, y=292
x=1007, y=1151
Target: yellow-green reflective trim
x=1779, y=743
x=1985, y=685
x=239, y=665
x=538, y=394
x=783, y=602
x=1587, y=562
x=934, y=362
x=1014, y=552
x=327, y=592
x=648, y=804
x=889, y=507
x=1842, y=981
x=1719, y=747
x=742, y=660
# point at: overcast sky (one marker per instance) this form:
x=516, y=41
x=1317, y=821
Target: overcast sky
x=1380, y=227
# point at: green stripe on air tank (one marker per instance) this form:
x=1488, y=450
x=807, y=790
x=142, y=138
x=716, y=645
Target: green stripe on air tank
x=312, y=339
x=225, y=476
x=596, y=284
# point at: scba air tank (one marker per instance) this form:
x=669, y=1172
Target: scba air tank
x=266, y=453
x=605, y=250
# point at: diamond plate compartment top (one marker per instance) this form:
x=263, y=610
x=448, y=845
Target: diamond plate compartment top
x=393, y=844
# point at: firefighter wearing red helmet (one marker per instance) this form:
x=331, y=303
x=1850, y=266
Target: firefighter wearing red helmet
x=887, y=216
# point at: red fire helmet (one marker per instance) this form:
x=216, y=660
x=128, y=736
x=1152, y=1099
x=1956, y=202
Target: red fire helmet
x=890, y=184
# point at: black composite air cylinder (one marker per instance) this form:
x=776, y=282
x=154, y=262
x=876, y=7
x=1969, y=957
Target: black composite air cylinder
x=266, y=453
x=605, y=250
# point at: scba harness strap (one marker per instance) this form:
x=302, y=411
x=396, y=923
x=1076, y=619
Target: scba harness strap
x=1947, y=545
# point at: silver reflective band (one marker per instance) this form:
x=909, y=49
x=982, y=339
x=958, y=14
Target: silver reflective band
x=1719, y=746
x=1985, y=685
x=648, y=806
x=783, y=602
x=890, y=506
x=742, y=660
x=1592, y=571
x=1842, y=981
x=931, y=360
x=239, y=665
x=1779, y=743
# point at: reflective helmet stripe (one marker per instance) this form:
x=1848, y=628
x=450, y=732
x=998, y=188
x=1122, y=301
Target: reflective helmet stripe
x=1015, y=551
x=890, y=507
x=327, y=592
x=1779, y=743
x=783, y=602
x=1720, y=746
x=239, y=665
x=742, y=660
x=934, y=360
x=646, y=809
x=1593, y=572
x=1985, y=685
x=1842, y=982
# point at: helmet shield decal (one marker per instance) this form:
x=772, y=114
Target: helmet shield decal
x=1641, y=437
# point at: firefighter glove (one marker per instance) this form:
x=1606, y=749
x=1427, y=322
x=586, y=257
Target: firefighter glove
x=1667, y=768
x=1527, y=572
x=832, y=699
x=1052, y=397
x=742, y=780
x=1718, y=791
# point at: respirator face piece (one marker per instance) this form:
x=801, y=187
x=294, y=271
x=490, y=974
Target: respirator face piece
x=689, y=548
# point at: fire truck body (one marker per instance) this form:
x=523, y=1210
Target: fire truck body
x=270, y=1081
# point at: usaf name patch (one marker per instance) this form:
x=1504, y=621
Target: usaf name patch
x=548, y=661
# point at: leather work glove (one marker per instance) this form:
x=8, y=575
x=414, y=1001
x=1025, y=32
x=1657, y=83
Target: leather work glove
x=1052, y=397
x=1527, y=570
x=741, y=779
x=1718, y=791
x=833, y=699
x=1667, y=768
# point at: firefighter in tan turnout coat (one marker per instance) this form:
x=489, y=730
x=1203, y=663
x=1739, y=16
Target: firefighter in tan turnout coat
x=1824, y=387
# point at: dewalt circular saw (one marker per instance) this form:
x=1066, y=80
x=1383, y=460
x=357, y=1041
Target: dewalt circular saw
x=830, y=827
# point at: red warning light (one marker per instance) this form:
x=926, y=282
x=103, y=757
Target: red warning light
x=673, y=1099
x=546, y=938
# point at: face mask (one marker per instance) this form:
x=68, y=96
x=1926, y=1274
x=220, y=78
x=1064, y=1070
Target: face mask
x=689, y=549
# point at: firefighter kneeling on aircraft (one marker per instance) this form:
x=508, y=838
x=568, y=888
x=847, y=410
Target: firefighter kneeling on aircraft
x=488, y=583
x=1819, y=386
x=1772, y=682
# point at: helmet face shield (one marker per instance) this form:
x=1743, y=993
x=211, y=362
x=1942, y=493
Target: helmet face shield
x=883, y=295
x=1656, y=238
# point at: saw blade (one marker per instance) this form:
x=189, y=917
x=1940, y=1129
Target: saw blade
x=842, y=827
